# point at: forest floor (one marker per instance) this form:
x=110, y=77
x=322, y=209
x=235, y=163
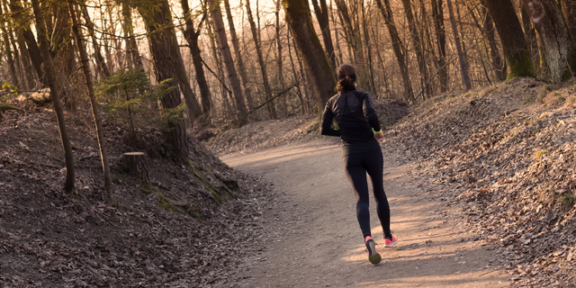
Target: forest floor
x=481, y=186
x=184, y=228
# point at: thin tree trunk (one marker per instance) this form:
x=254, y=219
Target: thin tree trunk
x=438, y=16
x=368, y=49
x=560, y=50
x=131, y=45
x=194, y=110
x=461, y=57
x=530, y=33
x=299, y=91
x=569, y=10
x=96, y=114
x=322, y=14
x=354, y=37
x=239, y=58
x=219, y=70
x=300, y=22
x=160, y=42
x=15, y=78
x=50, y=73
x=337, y=49
x=513, y=42
x=386, y=11
x=99, y=58
x=228, y=61
x=263, y=69
x=488, y=27
x=30, y=74
x=191, y=34
x=416, y=42
x=283, y=101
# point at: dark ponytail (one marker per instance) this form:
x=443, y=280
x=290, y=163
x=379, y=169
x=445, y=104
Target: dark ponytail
x=346, y=77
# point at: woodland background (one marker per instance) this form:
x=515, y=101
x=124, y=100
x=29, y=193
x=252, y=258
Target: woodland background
x=97, y=79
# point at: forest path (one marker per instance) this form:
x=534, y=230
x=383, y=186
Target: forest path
x=315, y=241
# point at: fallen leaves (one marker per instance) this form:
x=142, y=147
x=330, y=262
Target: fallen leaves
x=513, y=174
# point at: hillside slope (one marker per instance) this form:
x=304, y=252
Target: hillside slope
x=176, y=231
x=506, y=154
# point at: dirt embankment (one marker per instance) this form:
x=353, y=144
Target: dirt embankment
x=507, y=154
x=174, y=232
x=257, y=136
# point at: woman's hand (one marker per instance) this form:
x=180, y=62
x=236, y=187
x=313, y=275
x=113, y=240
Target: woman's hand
x=378, y=135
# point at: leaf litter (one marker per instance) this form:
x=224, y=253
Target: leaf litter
x=190, y=227
x=506, y=156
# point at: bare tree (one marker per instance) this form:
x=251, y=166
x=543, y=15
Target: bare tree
x=560, y=50
x=300, y=22
x=416, y=42
x=386, y=10
x=239, y=60
x=322, y=14
x=256, y=37
x=191, y=34
x=461, y=57
x=513, y=42
x=160, y=41
x=50, y=73
x=95, y=113
x=216, y=14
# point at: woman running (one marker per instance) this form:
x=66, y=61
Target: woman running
x=359, y=129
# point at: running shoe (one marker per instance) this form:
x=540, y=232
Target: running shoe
x=390, y=243
x=373, y=255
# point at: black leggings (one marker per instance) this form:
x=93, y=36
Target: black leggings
x=356, y=166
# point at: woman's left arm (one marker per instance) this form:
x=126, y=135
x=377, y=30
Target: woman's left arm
x=327, y=119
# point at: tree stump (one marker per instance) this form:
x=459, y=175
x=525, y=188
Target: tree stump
x=136, y=165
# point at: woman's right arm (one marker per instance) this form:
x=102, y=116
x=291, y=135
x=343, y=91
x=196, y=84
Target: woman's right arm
x=327, y=119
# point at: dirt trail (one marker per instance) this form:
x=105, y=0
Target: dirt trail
x=314, y=239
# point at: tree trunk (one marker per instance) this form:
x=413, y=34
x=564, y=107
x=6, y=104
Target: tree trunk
x=97, y=119
x=28, y=37
x=322, y=15
x=399, y=51
x=16, y=13
x=160, y=42
x=569, y=10
x=417, y=43
x=30, y=74
x=488, y=27
x=194, y=110
x=512, y=37
x=461, y=57
x=300, y=22
x=15, y=78
x=239, y=58
x=191, y=34
x=530, y=33
x=283, y=101
x=337, y=50
x=298, y=90
x=256, y=37
x=368, y=49
x=50, y=73
x=220, y=71
x=560, y=50
x=354, y=38
x=131, y=46
x=95, y=44
x=242, y=114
